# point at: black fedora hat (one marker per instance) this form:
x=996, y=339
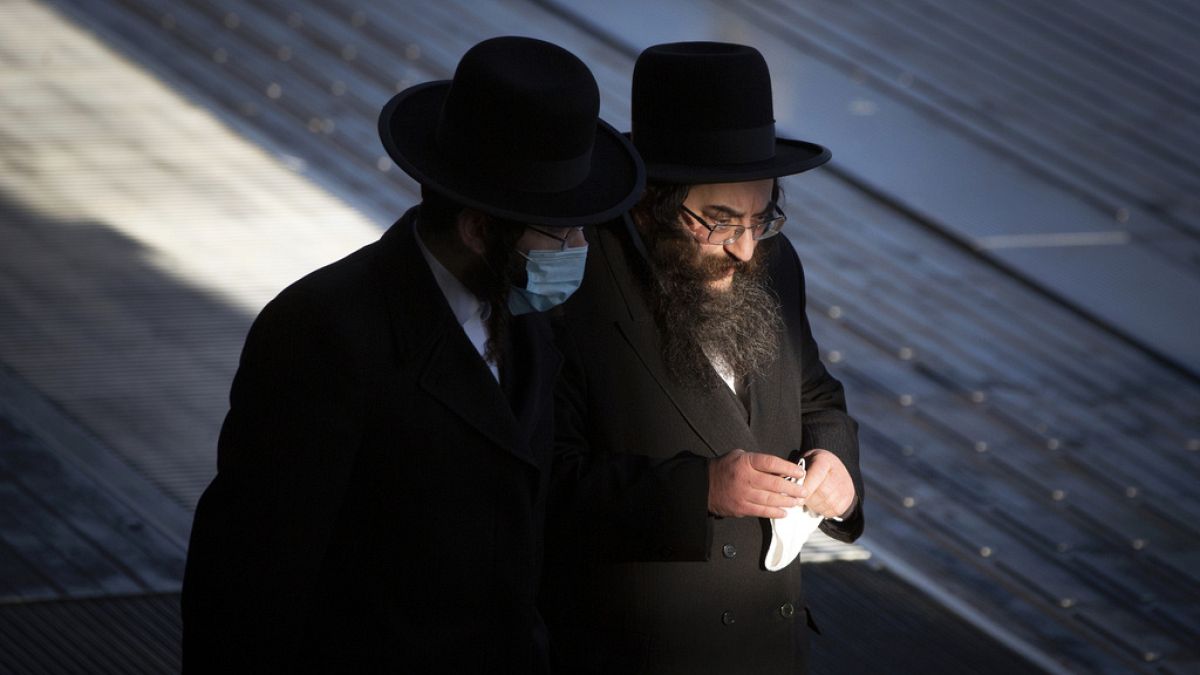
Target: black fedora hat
x=515, y=134
x=702, y=113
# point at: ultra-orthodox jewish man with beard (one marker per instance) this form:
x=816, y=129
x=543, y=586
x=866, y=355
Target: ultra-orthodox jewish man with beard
x=700, y=438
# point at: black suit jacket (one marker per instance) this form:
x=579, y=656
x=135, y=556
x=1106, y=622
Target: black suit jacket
x=639, y=577
x=379, y=501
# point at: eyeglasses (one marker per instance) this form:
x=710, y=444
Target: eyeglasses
x=724, y=232
x=562, y=240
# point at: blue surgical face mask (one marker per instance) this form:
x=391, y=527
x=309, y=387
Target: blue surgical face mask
x=552, y=277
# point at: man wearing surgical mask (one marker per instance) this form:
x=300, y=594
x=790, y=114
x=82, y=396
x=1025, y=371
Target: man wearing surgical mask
x=383, y=468
x=492, y=270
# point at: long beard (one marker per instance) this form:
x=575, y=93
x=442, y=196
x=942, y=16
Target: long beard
x=740, y=325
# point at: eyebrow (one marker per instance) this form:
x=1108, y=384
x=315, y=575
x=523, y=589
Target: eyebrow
x=733, y=213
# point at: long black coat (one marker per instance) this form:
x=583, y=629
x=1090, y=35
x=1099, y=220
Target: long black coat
x=379, y=501
x=639, y=577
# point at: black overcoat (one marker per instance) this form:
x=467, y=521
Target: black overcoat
x=379, y=501
x=639, y=577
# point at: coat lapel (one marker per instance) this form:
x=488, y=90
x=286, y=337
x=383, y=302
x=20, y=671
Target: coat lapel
x=530, y=372
x=767, y=409
x=716, y=417
x=775, y=404
x=430, y=341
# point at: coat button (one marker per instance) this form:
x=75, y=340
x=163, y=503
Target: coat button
x=727, y=618
x=729, y=550
x=787, y=610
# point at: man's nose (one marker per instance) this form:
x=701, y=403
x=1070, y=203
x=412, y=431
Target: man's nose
x=742, y=248
x=576, y=238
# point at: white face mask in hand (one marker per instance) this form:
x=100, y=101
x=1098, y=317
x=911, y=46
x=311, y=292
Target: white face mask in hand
x=552, y=277
x=789, y=533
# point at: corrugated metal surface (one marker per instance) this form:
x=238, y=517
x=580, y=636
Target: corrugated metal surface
x=113, y=635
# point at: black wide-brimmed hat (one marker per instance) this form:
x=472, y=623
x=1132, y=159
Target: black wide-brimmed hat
x=515, y=134
x=703, y=113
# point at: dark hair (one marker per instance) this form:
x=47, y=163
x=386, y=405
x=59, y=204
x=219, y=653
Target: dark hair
x=661, y=202
x=497, y=270
x=439, y=213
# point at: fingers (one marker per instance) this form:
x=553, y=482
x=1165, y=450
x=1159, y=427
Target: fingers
x=777, y=485
x=755, y=484
x=764, y=504
x=755, y=511
x=813, y=479
x=828, y=489
x=774, y=465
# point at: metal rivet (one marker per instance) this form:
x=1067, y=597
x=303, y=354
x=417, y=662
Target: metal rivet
x=1131, y=492
x=981, y=446
x=274, y=90
x=909, y=502
x=978, y=396
x=1138, y=544
x=905, y=353
x=906, y=400
x=834, y=356
x=384, y=164
x=1053, y=443
x=985, y=551
x=1193, y=444
x=1066, y=602
x=1058, y=495
x=1150, y=656
x=834, y=312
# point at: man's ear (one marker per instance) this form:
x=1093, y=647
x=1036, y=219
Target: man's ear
x=472, y=230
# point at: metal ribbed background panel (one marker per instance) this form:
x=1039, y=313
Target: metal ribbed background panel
x=114, y=635
x=140, y=237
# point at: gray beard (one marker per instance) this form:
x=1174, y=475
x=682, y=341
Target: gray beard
x=741, y=325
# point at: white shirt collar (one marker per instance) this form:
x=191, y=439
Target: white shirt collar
x=463, y=303
x=471, y=313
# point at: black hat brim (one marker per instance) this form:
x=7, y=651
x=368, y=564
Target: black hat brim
x=408, y=129
x=791, y=157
